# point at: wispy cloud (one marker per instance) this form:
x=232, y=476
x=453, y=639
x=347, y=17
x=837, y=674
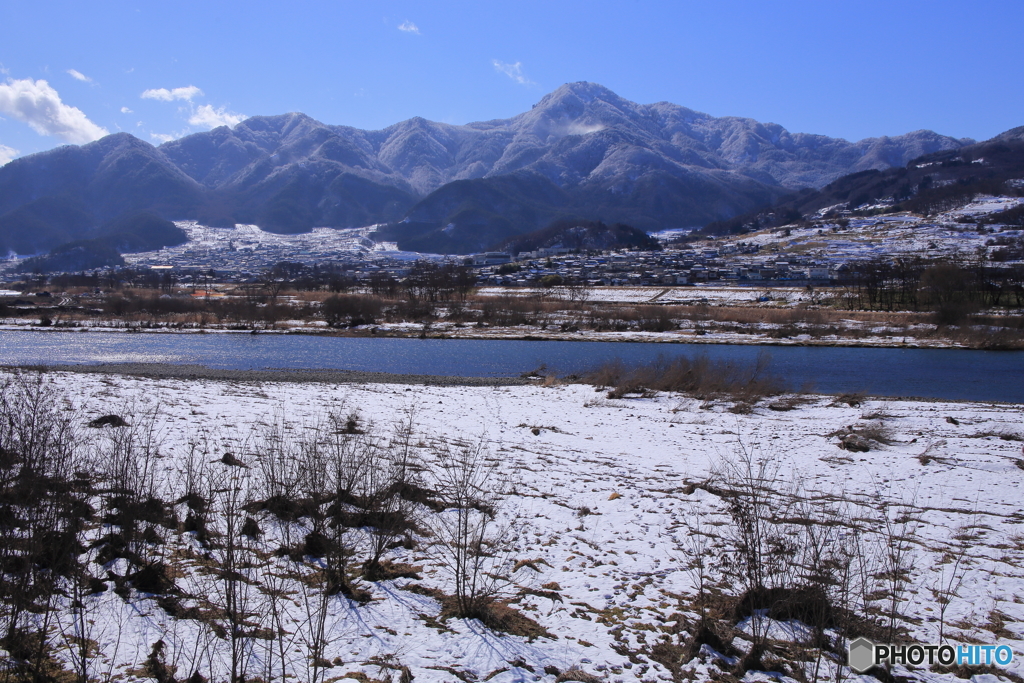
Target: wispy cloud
x=577, y=128
x=39, y=105
x=513, y=71
x=161, y=138
x=126, y=110
x=409, y=27
x=206, y=115
x=186, y=93
x=7, y=154
x=79, y=76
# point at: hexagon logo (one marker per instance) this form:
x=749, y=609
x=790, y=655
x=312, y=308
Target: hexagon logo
x=862, y=655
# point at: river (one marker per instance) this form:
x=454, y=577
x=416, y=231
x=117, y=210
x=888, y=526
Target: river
x=929, y=373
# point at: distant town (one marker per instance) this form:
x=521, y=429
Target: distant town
x=817, y=253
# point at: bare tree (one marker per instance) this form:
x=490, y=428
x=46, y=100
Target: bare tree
x=578, y=290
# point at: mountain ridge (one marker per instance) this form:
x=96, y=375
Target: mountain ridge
x=653, y=165
x=931, y=183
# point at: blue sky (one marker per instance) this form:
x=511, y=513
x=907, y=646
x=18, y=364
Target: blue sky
x=70, y=71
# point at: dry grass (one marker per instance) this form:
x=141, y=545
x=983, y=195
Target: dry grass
x=876, y=431
x=772, y=315
x=498, y=616
x=552, y=381
x=576, y=674
x=969, y=672
x=790, y=402
x=850, y=398
x=985, y=337
x=699, y=377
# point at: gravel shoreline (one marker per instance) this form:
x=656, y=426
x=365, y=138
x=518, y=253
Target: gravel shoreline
x=201, y=372
x=509, y=334
x=193, y=372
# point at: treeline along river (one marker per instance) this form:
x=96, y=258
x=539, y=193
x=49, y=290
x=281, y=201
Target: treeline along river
x=930, y=373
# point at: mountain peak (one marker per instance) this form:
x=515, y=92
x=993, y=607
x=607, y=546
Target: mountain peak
x=586, y=89
x=577, y=109
x=584, y=92
x=115, y=140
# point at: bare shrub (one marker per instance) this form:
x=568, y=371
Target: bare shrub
x=954, y=569
x=876, y=431
x=45, y=483
x=607, y=374
x=388, y=469
x=351, y=309
x=472, y=544
x=277, y=457
x=897, y=528
x=654, y=319
x=826, y=580
x=761, y=551
x=795, y=555
x=125, y=457
x=508, y=310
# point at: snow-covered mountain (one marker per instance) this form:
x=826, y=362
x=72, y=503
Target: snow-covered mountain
x=582, y=150
x=581, y=132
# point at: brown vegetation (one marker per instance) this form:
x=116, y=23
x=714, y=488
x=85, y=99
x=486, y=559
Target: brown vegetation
x=699, y=377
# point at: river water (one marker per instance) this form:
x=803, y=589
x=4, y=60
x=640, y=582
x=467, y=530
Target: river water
x=930, y=373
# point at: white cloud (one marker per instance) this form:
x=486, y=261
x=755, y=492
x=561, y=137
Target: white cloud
x=161, y=138
x=7, y=154
x=126, y=110
x=206, y=115
x=513, y=71
x=577, y=128
x=186, y=93
x=409, y=27
x=79, y=76
x=39, y=105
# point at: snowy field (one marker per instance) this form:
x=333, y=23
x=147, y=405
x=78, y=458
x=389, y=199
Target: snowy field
x=249, y=246
x=715, y=295
x=940, y=236
x=608, y=503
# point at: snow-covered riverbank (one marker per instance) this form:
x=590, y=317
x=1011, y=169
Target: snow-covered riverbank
x=605, y=495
